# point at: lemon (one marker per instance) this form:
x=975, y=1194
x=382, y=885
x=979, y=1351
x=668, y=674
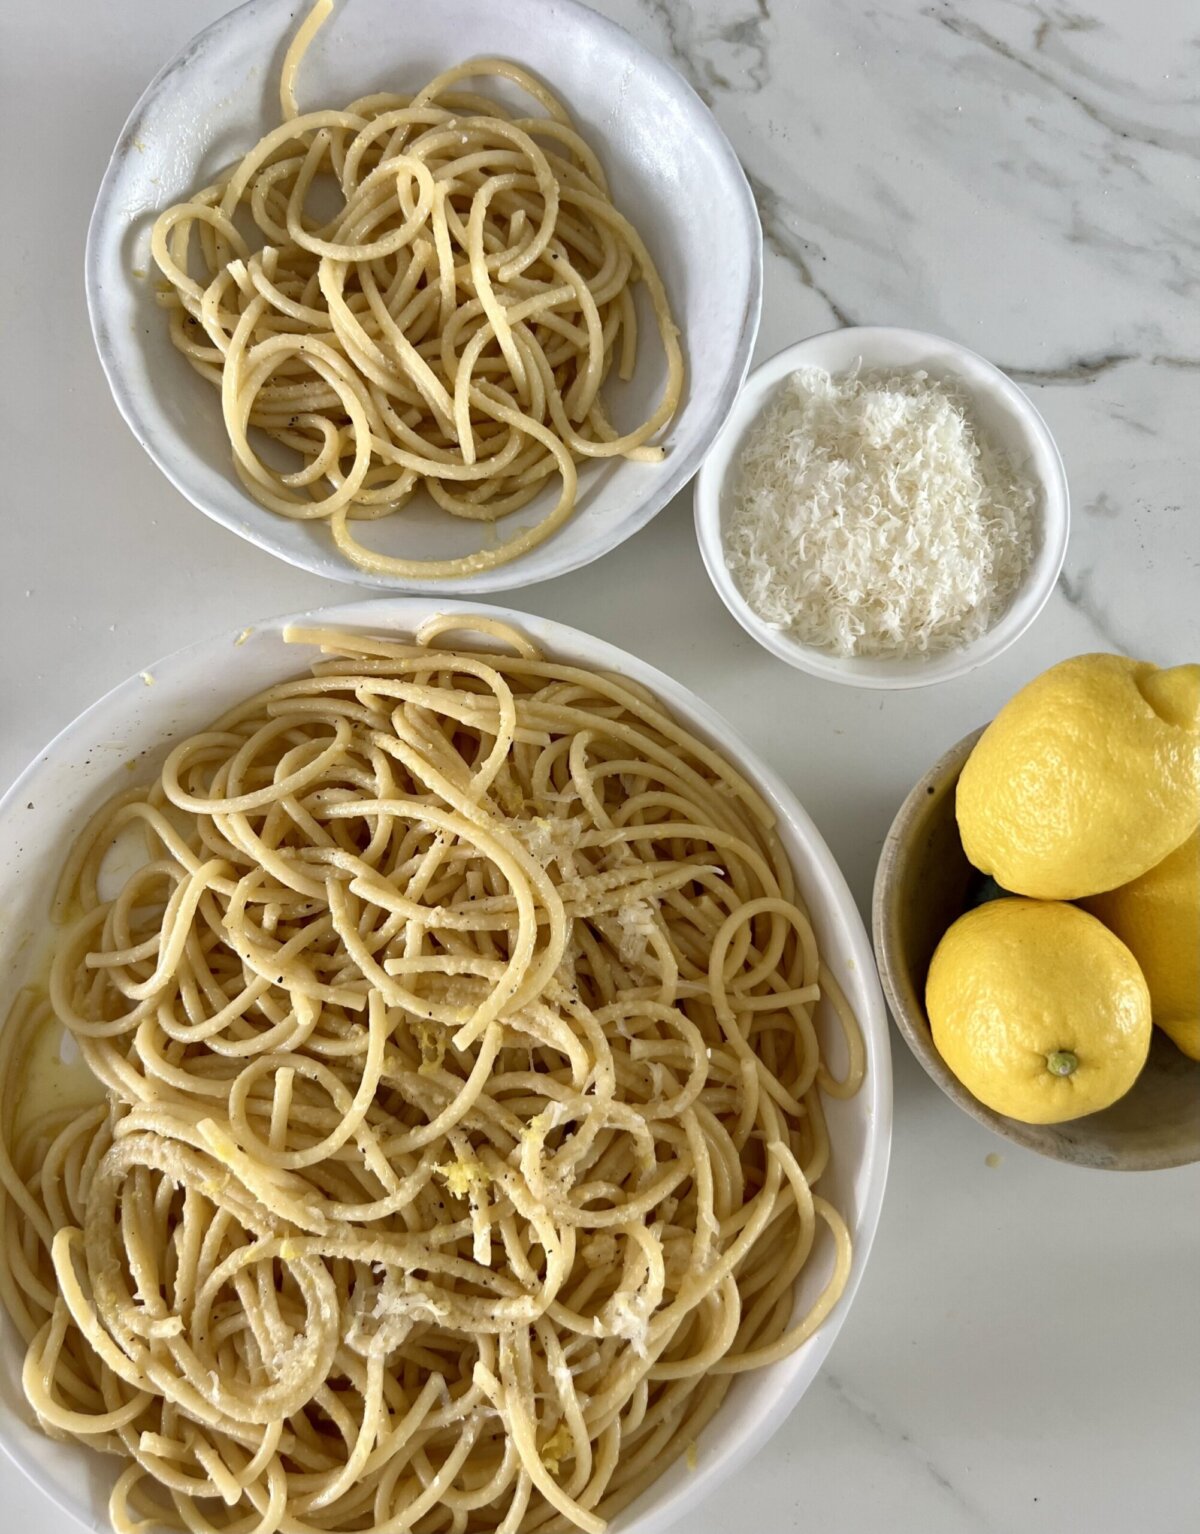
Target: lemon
x=1157, y=917
x=1086, y=778
x=1038, y=1009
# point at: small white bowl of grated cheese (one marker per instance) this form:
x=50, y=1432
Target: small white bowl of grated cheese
x=883, y=507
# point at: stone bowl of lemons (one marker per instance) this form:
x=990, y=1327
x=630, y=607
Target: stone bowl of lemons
x=1037, y=916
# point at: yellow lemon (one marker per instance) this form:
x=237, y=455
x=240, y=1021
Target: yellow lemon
x=1038, y=1009
x=1085, y=779
x=1157, y=917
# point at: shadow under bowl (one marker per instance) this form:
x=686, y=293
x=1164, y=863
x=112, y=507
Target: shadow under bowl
x=921, y=887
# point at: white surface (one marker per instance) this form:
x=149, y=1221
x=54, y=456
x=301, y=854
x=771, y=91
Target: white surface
x=1024, y=1354
x=184, y=693
x=1006, y=418
x=668, y=164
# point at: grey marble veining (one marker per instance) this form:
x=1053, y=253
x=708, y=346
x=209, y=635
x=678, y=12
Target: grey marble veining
x=1022, y=134
x=1023, y=177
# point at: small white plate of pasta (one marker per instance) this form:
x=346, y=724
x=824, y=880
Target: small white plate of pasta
x=450, y=298
x=444, y=1084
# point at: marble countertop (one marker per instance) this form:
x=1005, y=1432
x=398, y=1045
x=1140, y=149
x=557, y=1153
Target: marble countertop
x=1024, y=1354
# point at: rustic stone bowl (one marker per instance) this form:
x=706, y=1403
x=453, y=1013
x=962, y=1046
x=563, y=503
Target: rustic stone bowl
x=920, y=889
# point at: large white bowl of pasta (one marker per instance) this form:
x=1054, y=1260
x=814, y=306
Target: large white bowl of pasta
x=443, y=1083
x=451, y=295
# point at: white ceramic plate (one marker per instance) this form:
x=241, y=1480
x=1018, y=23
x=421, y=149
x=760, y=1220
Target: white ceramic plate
x=672, y=172
x=1003, y=412
x=138, y=722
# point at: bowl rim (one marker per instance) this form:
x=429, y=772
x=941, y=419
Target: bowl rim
x=678, y=468
x=892, y=964
x=777, y=1391
x=1028, y=600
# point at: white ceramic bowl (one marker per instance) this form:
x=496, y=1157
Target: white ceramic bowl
x=84, y=764
x=672, y=171
x=1004, y=413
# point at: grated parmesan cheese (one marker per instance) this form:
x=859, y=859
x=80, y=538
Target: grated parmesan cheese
x=548, y=839
x=636, y=923
x=870, y=518
x=626, y=1319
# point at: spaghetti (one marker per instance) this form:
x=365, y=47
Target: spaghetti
x=462, y=1104
x=450, y=326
